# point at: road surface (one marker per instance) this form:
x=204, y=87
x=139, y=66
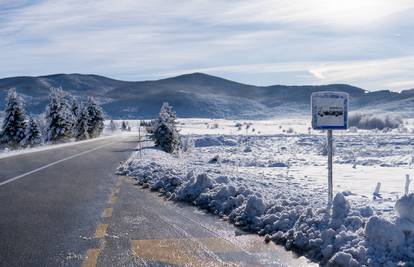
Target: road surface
x=66, y=207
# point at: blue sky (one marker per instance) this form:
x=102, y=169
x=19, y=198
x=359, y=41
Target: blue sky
x=367, y=43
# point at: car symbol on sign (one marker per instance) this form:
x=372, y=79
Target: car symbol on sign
x=330, y=111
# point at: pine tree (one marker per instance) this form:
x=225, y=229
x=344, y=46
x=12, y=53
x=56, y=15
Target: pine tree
x=75, y=112
x=96, y=118
x=165, y=133
x=33, y=133
x=75, y=108
x=59, y=117
x=167, y=114
x=66, y=102
x=81, y=129
x=14, y=123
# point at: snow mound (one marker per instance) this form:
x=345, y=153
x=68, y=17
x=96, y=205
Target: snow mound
x=215, y=141
x=340, y=210
x=341, y=236
x=343, y=259
x=194, y=187
x=383, y=234
x=405, y=207
x=249, y=213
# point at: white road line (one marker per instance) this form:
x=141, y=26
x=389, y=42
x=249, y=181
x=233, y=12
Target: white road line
x=54, y=163
x=24, y=151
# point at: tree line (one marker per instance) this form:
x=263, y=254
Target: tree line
x=64, y=119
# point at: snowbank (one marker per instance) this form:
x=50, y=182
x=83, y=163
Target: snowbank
x=345, y=236
x=405, y=208
x=220, y=140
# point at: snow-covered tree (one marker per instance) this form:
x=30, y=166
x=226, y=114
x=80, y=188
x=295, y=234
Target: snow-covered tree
x=69, y=103
x=167, y=114
x=59, y=117
x=82, y=127
x=14, y=124
x=96, y=118
x=165, y=133
x=112, y=126
x=75, y=107
x=33, y=133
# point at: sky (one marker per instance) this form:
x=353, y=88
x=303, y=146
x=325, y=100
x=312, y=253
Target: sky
x=366, y=43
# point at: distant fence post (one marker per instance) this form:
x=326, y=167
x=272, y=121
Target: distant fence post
x=407, y=184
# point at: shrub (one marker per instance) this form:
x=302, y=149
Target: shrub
x=187, y=144
x=371, y=121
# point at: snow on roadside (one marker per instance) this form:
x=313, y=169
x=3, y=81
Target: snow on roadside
x=234, y=178
x=107, y=133
x=11, y=153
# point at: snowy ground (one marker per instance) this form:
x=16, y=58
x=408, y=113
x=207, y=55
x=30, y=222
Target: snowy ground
x=362, y=159
x=273, y=181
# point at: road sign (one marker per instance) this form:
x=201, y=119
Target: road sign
x=329, y=110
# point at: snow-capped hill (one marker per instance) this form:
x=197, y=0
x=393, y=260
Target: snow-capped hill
x=192, y=95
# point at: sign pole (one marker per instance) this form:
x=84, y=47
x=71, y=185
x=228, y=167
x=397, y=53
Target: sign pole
x=330, y=167
x=329, y=112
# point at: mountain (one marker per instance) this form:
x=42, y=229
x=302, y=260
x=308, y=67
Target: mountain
x=194, y=95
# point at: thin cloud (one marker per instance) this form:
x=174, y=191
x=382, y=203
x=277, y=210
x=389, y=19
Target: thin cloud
x=316, y=41
x=371, y=74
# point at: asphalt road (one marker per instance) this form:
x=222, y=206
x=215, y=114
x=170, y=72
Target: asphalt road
x=66, y=207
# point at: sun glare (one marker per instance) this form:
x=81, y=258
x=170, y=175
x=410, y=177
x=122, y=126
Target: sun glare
x=353, y=12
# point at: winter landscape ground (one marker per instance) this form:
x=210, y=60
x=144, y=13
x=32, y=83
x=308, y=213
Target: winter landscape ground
x=199, y=133
x=267, y=177
x=271, y=179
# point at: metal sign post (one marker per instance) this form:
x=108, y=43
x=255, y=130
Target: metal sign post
x=329, y=112
x=330, y=167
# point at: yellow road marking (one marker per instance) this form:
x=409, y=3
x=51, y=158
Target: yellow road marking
x=101, y=230
x=189, y=251
x=91, y=258
x=107, y=213
x=186, y=251
x=112, y=200
x=125, y=178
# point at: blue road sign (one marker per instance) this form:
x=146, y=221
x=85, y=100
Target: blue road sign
x=329, y=110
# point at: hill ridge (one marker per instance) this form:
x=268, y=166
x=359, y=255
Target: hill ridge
x=193, y=95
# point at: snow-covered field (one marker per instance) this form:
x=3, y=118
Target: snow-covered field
x=362, y=158
x=271, y=179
